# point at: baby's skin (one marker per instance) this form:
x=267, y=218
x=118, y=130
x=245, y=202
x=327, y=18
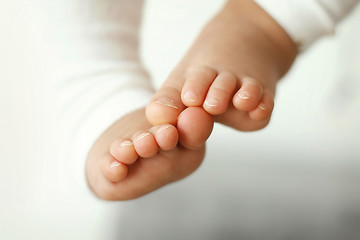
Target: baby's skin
x=231, y=70
x=228, y=75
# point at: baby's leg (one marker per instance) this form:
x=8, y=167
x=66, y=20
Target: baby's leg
x=231, y=70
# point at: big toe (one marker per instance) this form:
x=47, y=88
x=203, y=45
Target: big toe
x=195, y=126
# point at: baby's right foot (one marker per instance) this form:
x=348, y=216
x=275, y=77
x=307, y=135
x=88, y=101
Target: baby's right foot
x=231, y=70
x=138, y=162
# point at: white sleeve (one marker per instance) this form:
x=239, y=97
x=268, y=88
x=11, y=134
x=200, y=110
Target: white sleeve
x=89, y=53
x=307, y=20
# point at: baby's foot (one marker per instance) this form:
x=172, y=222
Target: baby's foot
x=231, y=71
x=138, y=162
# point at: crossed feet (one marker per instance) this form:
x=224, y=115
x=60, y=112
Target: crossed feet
x=229, y=77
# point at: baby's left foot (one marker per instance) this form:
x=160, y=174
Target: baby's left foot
x=231, y=70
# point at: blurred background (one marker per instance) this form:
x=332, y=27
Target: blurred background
x=297, y=179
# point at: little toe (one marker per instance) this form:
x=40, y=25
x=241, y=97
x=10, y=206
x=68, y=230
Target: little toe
x=145, y=144
x=249, y=95
x=264, y=109
x=166, y=136
x=165, y=106
x=196, y=86
x=113, y=170
x=195, y=126
x=123, y=151
x=220, y=93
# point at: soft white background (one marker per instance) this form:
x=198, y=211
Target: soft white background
x=298, y=177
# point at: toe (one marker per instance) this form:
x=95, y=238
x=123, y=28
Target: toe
x=249, y=95
x=197, y=85
x=113, y=170
x=166, y=136
x=195, y=126
x=165, y=106
x=123, y=151
x=220, y=93
x=264, y=108
x=145, y=144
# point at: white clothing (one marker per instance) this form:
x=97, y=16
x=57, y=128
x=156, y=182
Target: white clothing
x=307, y=20
x=88, y=75
x=89, y=49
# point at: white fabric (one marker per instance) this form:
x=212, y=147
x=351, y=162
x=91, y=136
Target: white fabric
x=89, y=52
x=84, y=54
x=307, y=20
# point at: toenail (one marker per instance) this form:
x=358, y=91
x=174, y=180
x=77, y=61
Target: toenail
x=115, y=164
x=244, y=95
x=262, y=106
x=167, y=102
x=126, y=143
x=212, y=102
x=163, y=128
x=141, y=136
x=249, y=79
x=190, y=96
x=152, y=129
